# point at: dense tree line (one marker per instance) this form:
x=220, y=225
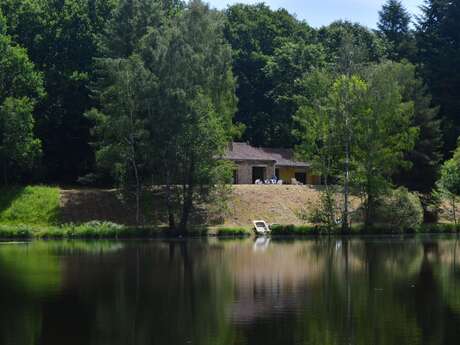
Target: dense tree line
x=152, y=90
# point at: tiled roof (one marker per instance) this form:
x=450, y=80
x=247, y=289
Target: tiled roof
x=281, y=157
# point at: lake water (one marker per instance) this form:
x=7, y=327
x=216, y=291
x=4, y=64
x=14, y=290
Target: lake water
x=385, y=290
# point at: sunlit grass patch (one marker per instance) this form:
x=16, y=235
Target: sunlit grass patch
x=36, y=205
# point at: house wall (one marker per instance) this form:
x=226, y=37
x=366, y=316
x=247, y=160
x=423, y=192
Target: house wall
x=245, y=170
x=288, y=173
x=313, y=179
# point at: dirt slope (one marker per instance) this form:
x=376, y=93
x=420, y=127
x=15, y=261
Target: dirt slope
x=276, y=204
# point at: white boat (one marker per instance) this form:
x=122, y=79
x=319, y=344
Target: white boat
x=261, y=228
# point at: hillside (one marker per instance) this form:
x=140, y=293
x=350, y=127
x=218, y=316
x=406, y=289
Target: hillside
x=41, y=205
x=273, y=203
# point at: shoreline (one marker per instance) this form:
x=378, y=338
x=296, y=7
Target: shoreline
x=107, y=231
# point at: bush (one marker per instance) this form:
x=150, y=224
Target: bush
x=400, y=211
x=95, y=230
x=232, y=231
x=296, y=229
x=16, y=231
x=439, y=228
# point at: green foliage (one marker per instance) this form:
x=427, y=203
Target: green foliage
x=15, y=232
x=232, y=231
x=32, y=205
x=448, y=185
x=382, y=136
x=90, y=230
x=191, y=115
x=357, y=130
x=279, y=230
x=426, y=155
x=61, y=40
x=19, y=149
x=401, y=210
x=368, y=46
x=271, y=50
x=20, y=87
x=438, y=44
x=439, y=228
x=123, y=140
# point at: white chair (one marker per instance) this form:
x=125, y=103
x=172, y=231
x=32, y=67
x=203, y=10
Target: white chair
x=261, y=228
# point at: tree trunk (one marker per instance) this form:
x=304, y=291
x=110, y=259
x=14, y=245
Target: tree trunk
x=188, y=199
x=346, y=191
x=138, y=192
x=171, y=219
x=454, y=210
x=368, y=222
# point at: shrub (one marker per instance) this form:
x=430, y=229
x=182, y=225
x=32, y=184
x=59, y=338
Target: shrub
x=401, y=210
x=16, y=231
x=439, y=228
x=232, y=231
x=296, y=229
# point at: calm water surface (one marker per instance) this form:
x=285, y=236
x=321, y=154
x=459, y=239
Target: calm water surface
x=387, y=290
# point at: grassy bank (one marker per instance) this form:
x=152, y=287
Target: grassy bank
x=107, y=230
x=300, y=230
x=91, y=230
x=34, y=205
x=38, y=212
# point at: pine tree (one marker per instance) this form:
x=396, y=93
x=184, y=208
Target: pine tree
x=438, y=41
x=394, y=26
x=426, y=156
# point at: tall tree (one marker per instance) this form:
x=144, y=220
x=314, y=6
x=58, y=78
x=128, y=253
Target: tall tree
x=20, y=87
x=123, y=140
x=326, y=120
x=394, y=21
x=191, y=115
x=169, y=109
x=382, y=137
x=357, y=130
x=438, y=41
x=426, y=155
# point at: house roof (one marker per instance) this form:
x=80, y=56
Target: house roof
x=246, y=152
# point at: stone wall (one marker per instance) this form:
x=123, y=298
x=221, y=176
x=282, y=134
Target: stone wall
x=245, y=170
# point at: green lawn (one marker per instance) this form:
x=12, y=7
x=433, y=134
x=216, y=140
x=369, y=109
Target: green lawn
x=32, y=205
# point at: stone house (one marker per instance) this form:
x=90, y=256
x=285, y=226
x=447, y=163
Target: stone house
x=260, y=163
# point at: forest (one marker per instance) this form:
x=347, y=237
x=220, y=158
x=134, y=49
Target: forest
x=142, y=92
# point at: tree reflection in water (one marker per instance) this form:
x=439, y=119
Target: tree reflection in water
x=319, y=291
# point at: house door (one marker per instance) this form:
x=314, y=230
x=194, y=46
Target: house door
x=301, y=177
x=258, y=173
